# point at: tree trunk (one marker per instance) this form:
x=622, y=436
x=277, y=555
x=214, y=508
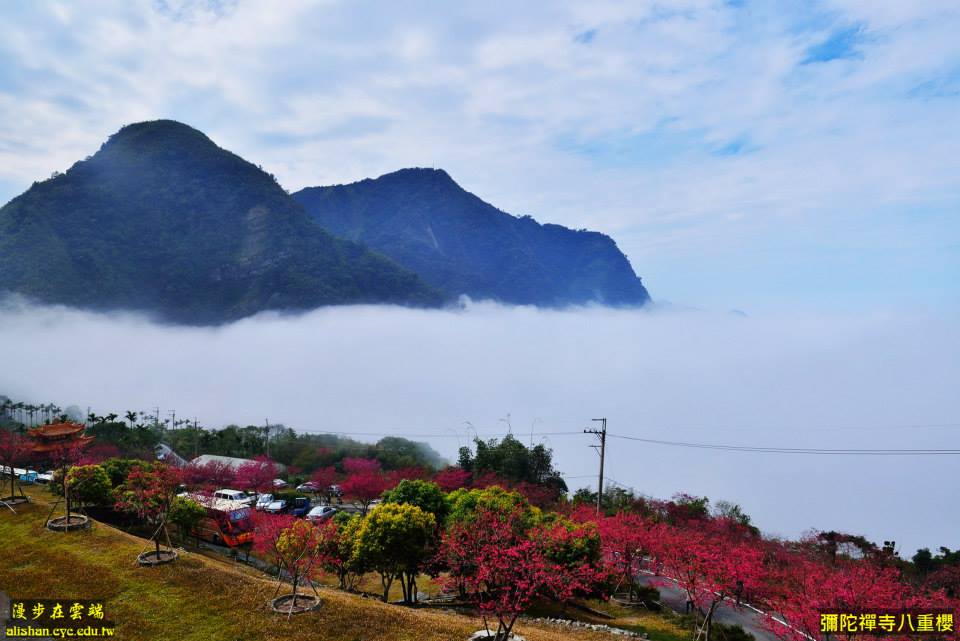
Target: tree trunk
x=412, y=589
x=504, y=629
x=708, y=622
x=386, y=580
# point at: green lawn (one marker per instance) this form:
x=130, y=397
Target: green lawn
x=203, y=598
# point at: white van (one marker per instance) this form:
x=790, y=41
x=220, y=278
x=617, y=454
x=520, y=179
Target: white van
x=235, y=495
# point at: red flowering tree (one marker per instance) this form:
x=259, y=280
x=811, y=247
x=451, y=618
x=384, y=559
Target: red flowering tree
x=149, y=492
x=364, y=486
x=415, y=473
x=295, y=546
x=711, y=567
x=452, y=478
x=212, y=474
x=503, y=570
x=98, y=453
x=804, y=585
x=629, y=543
x=14, y=450
x=946, y=579
x=62, y=456
x=543, y=496
x=266, y=531
x=256, y=475
x=338, y=542
x=324, y=478
x=360, y=465
x=490, y=479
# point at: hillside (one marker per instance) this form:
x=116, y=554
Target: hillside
x=460, y=244
x=163, y=220
x=199, y=597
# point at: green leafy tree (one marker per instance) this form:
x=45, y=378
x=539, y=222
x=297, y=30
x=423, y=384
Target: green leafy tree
x=89, y=485
x=510, y=459
x=339, y=544
x=186, y=515
x=466, y=504
x=426, y=495
x=395, y=540
x=118, y=469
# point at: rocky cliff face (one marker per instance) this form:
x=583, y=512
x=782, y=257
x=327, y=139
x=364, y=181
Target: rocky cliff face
x=460, y=244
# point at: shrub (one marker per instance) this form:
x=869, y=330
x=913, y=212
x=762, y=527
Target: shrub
x=89, y=484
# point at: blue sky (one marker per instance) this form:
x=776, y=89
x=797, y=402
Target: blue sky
x=759, y=156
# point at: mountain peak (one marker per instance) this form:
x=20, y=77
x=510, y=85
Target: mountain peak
x=419, y=175
x=458, y=243
x=163, y=220
x=152, y=131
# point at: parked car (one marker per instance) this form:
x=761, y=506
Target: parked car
x=46, y=477
x=263, y=501
x=279, y=484
x=235, y=495
x=321, y=513
x=276, y=507
x=309, y=486
x=300, y=506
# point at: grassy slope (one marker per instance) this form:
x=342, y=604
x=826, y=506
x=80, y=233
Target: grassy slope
x=202, y=598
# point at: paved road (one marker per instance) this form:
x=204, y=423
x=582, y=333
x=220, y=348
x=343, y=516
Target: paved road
x=675, y=598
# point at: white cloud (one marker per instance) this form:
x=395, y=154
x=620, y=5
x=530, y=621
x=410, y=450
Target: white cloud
x=620, y=133
x=802, y=381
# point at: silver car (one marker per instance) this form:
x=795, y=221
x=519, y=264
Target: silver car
x=321, y=513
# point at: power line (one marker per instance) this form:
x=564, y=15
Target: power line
x=822, y=428
x=793, y=450
x=433, y=434
x=695, y=445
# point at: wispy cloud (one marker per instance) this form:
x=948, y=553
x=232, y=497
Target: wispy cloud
x=621, y=117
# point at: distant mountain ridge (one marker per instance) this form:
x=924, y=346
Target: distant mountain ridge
x=163, y=220
x=460, y=244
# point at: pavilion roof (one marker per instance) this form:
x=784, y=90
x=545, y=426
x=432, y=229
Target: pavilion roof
x=56, y=430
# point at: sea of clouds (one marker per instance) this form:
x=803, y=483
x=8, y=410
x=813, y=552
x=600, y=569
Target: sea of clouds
x=883, y=380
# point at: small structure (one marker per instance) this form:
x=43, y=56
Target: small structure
x=165, y=453
x=53, y=438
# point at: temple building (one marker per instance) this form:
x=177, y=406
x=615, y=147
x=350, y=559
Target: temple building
x=54, y=437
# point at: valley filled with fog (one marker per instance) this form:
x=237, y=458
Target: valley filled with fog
x=880, y=381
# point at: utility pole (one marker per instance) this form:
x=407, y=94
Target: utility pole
x=173, y=419
x=196, y=439
x=602, y=450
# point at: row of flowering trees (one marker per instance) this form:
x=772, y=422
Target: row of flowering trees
x=490, y=546
x=493, y=547
x=362, y=480
x=497, y=551
x=717, y=560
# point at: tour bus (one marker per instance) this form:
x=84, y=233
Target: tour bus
x=227, y=522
